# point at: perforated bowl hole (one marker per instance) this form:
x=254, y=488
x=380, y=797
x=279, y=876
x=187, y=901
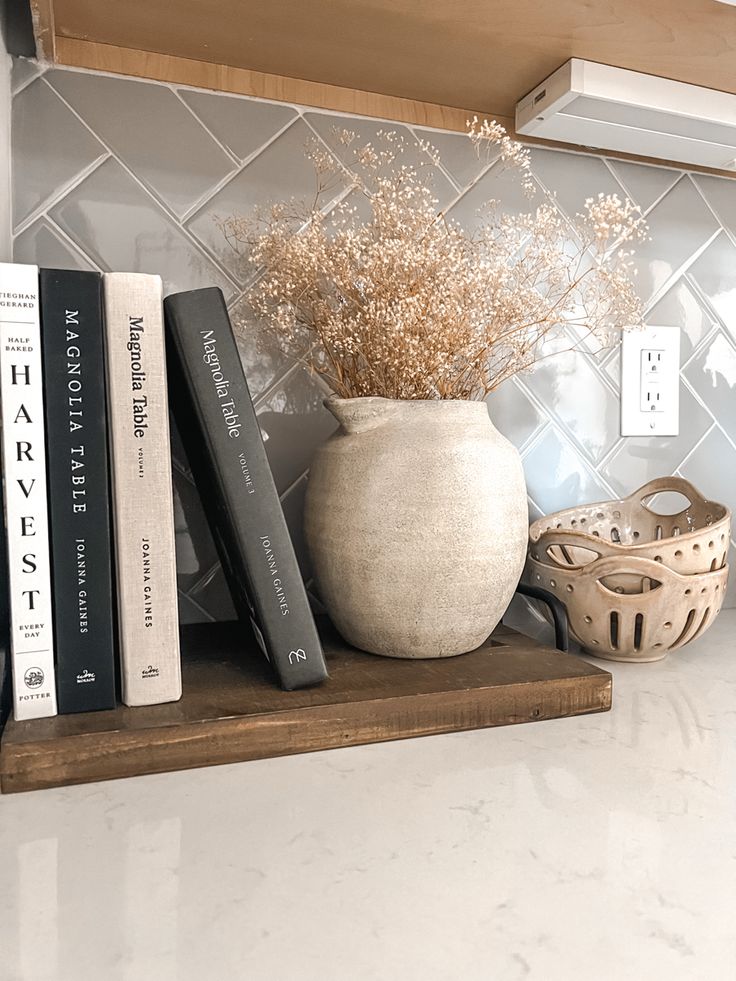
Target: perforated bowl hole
x=569, y=588
x=588, y=619
x=688, y=591
x=711, y=544
x=696, y=548
x=678, y=553
x=600, y=516
x=667, y=624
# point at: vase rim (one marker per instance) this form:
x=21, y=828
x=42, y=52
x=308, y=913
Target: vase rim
x=332, y=399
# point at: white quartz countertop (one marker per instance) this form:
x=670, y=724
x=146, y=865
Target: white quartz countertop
x=600, y=848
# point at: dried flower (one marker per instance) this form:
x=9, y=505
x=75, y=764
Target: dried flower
x=404, y=303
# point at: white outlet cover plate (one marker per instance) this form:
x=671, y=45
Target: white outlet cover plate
x=636, y=420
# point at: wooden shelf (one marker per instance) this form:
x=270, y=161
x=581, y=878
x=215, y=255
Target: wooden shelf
x=232, y=711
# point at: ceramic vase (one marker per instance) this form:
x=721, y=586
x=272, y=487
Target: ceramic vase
x=416, y=523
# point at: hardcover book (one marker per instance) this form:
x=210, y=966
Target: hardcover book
x=6, y=681
x=78, y=480
x=218, y=424
x=143, y=510
x=26, y=503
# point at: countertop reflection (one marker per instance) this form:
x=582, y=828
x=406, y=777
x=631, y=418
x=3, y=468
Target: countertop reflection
x=600, y=847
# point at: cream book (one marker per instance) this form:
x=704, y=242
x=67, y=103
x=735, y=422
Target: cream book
x=26, y=503
x=143, y=510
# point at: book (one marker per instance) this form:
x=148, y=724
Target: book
x=212, y=406
x=142, y=498
x=78, y=482
x=6, y=680
x=26, y=502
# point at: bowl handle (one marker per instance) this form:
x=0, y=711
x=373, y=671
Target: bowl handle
x=628, y=565
x=564, y=539
x=662, y=485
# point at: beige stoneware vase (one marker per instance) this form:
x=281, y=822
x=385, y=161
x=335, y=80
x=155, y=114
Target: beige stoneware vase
x=416, y=523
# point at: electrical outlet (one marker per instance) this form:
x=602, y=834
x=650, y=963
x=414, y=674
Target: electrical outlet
x=650, y=381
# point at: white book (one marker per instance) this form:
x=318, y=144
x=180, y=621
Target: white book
x=142, y=498
x=26, y=502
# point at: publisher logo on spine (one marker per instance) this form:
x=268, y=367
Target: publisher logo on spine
x=149, y=672
x=33, y=678
x=86, y=677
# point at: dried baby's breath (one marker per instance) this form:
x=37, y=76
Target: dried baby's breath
x=393, y=298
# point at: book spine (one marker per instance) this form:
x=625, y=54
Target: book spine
x=220, y=431
x=6, y=679
x=143, y=511
x=26, y=502
x=78, y=481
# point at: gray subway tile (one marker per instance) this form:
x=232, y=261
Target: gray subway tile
x=711, y=467
x=214, y=596
x=678, y=227
x=680, y=307
x=644, y=184
x=557, y=477
x=719, y=193
x=294, y=422
x=330, y=129
x=50, y=148
x=458, y=155
x=41, y=244
x=281, y=173
x=498, y=184
x=260, y=352
x=573, y=392
x=713, y=376
x=573, y=177
x=513, y=414
x=151, y=131
x=715, y=273
x=22, y=70
x=242, y=125
x=121, y=227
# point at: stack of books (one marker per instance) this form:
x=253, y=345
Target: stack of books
x=89, y=365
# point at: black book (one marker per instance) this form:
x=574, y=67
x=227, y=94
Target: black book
x=79, y=493
x=212, y=406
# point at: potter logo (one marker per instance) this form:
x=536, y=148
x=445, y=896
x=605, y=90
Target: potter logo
x=299, y=655
x=85, y=677
x=149, y=672
x=33, y=678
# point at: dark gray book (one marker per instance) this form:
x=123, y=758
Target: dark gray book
x=212, y=406
x=79, y=489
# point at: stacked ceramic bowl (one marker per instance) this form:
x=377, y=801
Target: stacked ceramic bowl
x=636, y=584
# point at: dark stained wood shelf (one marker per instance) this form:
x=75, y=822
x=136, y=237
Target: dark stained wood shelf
x=231, y=709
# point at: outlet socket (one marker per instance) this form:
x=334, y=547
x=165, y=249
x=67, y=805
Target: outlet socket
x=650, y=381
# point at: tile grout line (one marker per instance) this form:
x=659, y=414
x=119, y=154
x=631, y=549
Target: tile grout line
x=151, y=194
x=233, y=174
x=235, y=159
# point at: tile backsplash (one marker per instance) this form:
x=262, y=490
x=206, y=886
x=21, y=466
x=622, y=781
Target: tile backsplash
x=113, y=173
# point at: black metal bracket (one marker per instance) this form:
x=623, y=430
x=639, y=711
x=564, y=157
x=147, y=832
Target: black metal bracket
x=557, y=611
